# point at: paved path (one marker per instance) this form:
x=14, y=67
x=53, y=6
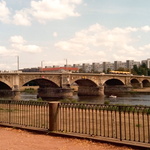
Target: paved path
x=16, y=139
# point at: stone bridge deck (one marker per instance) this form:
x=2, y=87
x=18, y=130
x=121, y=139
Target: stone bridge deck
x=59, y=84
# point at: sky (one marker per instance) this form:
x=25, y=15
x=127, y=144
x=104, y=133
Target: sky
x=49, y=32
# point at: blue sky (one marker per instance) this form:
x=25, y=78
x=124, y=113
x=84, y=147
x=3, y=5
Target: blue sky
x=81, y=31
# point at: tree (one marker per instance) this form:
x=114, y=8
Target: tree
x=141, y=70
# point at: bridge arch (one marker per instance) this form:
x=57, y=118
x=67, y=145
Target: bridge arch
x=114, y=87
x=87, y=87
x=113, y=82
x=5, y=90
x=41, y=82
x=85, y=82
x=4, y=86
x=135, y=83
x=146, y=83
x=38, y=81
x=6, y=83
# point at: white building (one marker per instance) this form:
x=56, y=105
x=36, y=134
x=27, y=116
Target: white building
x=131, y=63
x=97, y=67
x=108, y=65
x=147, y=62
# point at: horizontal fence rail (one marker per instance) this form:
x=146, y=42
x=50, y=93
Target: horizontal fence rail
x=24, y=113
x=124, y=123
x=130, y=123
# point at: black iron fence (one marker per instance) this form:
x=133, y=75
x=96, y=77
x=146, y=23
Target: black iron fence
x=129, y=123
x=24, y=113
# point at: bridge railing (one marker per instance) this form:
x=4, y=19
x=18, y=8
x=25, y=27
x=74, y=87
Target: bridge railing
x=123, y=123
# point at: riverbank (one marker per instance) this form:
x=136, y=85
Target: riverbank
x=143, y=90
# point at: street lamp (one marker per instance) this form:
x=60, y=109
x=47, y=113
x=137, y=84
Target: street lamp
x=66, y=64
x=17, y=63
x=42, y=65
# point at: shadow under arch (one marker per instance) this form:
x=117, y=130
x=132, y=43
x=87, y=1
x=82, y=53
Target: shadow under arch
x=85, y=82
x=42, y=83
x=87, y=87
x=135, y=83
x=48, y=90
x=113, y=82
x=115, y=87
x=146, y=83
x=5, y=90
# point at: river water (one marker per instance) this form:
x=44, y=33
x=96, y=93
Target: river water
x=139, y=99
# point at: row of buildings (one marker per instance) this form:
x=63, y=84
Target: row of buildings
x=86, y=67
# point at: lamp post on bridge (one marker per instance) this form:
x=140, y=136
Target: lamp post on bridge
x=17, y=63
x=66, y=64
x=42, y=65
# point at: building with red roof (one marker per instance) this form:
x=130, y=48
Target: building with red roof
x=60, y=69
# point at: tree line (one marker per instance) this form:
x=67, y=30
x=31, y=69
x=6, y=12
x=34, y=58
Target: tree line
x=141, y=70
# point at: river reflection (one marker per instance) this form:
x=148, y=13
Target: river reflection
x=128, y=100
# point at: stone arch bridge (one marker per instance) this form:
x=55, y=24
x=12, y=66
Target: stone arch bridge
x=58, y=85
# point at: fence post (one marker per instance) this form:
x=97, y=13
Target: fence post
x=120, y=108
x=53, y=116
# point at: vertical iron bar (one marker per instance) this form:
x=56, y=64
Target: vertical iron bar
x=9, y=111
x=120, y=121
x=89, y=119
x=148, y=120
x=104, y=121
x=112, y=122
x=143, y=126
x=138, y=125
x=100, y=121
x=134, y=124
x=96, y=122
x=108, y=122
x=116, y=123
x=129, y=126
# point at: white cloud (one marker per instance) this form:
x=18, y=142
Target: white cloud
x=54, y=9
x=17, y=39
x=55, y=34
x=98, y=41
x=3, y=50
x=145, y=28
x=32, y=48
x=145, y=47
x=22, y=18
x=19, y=44
x=4, y=14
x=42, y=11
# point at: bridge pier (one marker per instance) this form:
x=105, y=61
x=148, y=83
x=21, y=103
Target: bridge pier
x=49, y=93
x=117, y=90
x=91, y=91
x=6, y=93
x=16, y=93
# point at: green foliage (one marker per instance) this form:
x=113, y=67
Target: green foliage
x=141, y=70
x=29, y=90
x=68, y=101
x=138, y=125
x=108, y=70
x=39, y=99
x=107, y=102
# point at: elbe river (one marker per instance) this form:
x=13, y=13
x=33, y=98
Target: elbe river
x=139, y=99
